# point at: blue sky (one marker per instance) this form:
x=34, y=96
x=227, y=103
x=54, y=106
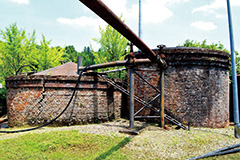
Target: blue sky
x=169, y=22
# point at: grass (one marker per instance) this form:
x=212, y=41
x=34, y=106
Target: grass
x=152, y=143
x=180, y=144
x=61, y=145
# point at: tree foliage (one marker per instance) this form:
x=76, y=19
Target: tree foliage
x=73, y=54
x=214, y=46
x=112, y=47
x=19, y=48
x=203, y=44
x=47, y=56
x=87, y=56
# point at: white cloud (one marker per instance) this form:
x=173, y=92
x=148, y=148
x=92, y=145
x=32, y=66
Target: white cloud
x=21, y=1
x=235, y=2
x=211, y=7
x=118, y=7
x=220, y=15
x=216, y=4
x=83, y=21
x=153, y=11
x=207, y=26
x=175, y=1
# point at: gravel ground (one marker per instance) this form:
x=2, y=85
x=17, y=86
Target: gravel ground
x=154, y=142
x=109, y=128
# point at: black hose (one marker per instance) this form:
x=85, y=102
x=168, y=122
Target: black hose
x=69, y=102
x=222, y=151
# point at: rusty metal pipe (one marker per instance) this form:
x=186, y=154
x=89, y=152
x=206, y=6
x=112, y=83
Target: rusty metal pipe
x=114, y=64
x=106, y=65
x=98, y=7
x=162, y=122
x=131, y=97
x=114, y=70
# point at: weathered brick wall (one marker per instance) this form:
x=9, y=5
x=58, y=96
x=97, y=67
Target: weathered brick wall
x=37, y=99
x=196, y=86
x=199, y=95
x=196, y=92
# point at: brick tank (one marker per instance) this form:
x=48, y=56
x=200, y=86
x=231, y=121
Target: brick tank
x=36, y=99
x=196, y=85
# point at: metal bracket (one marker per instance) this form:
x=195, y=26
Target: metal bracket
x=160, y=58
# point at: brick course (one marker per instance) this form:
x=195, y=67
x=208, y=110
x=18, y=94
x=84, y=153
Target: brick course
x=196, y=92
x=36, y=100
x=196, y=86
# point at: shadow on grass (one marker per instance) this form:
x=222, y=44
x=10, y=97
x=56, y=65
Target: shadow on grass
x=115, y=148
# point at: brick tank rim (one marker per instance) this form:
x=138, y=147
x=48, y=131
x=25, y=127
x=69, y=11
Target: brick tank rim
x=180, y=49
x=193, y=56
x=55, y=77
x=57, y=81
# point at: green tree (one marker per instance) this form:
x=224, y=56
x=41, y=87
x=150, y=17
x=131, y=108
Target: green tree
x=112, y=43
x=73, y=54
x=113, y=46
x=203, y=44
x=48, y=57
x=17, y=49
x=87, y=56
x=214, y=46
x=65, y=56
x=3, y=108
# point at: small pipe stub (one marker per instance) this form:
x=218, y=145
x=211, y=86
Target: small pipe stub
x=161, y=46
x=161, y=58
x=131, y=56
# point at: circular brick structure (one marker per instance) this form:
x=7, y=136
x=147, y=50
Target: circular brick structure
x=38, y=98
x=196, y=85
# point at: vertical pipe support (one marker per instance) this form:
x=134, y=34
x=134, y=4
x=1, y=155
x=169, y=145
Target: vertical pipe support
x=131, y=98
x=162, y=123
x=234, y=76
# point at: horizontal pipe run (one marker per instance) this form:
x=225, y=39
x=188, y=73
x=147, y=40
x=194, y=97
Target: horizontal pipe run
x=98, y=7
x=115, y=70
x=150, y=70
x=115, y=63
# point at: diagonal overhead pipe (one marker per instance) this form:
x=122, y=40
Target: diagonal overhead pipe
x=98, y=7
